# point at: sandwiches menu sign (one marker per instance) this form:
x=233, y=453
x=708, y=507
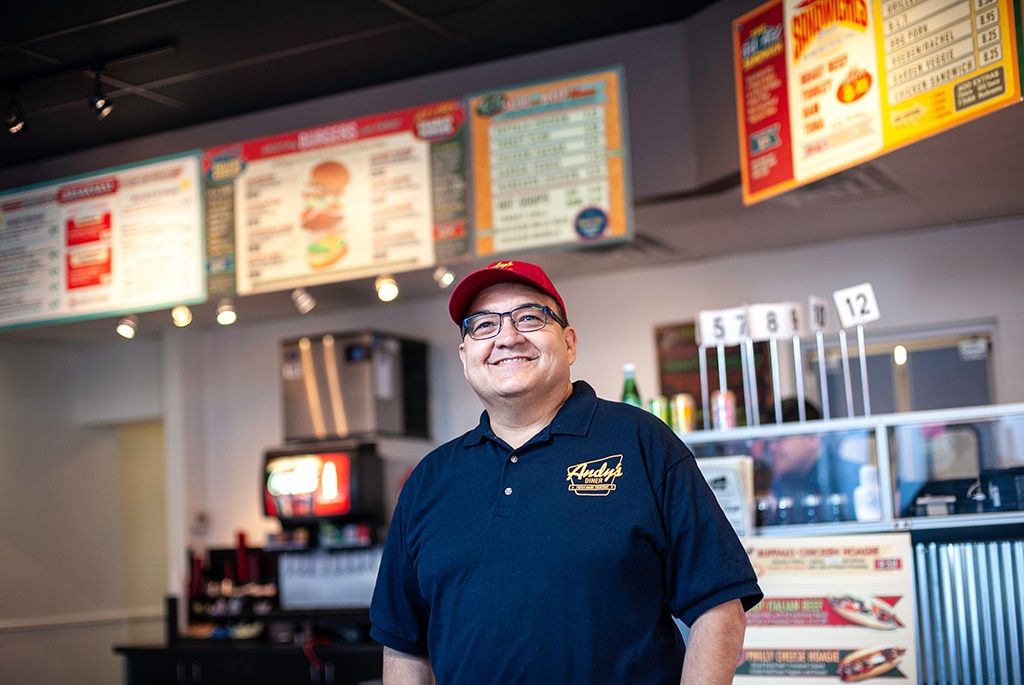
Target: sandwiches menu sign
x=823, y=85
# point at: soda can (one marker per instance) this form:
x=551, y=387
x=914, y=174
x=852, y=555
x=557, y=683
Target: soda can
x=659, y=407
x=683, y=412
x=723, y=409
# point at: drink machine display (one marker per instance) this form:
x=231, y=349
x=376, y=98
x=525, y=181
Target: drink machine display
x=323, y=483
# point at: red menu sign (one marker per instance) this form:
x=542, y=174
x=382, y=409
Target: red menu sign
x=823, y=85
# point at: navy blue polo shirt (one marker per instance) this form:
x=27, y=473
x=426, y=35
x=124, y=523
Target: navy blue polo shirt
x=562, y=561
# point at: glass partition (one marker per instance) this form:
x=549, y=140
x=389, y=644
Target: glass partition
x=958, y=466
x=807, y=475
x=891, y=471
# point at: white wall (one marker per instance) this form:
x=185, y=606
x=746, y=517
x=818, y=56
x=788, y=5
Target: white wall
x=63, y=594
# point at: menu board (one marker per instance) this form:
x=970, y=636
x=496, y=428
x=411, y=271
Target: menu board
x=835, y=609
x=347, y=200
x=549, y=164
x=116, y=241
x=823, y=85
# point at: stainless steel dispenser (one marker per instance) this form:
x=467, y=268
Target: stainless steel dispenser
x=354, y=384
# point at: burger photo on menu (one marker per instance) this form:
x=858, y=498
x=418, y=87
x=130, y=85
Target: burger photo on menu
x=323, y=219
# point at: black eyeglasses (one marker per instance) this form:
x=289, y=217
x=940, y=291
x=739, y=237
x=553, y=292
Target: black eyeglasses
x=525, y=319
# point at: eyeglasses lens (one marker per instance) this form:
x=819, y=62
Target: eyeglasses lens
x=526, y=319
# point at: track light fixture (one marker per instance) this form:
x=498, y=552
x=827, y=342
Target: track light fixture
x=304, y=300
x=226, y=312
x=100, y=105
x=444, y=277
x=181, y=316
x=127, y=326
x=387, y=288
x=13, y=119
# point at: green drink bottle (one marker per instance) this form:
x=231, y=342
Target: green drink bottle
x=630, y=395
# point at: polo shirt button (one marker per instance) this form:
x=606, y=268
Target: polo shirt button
x=508, y=491
x=514, y=459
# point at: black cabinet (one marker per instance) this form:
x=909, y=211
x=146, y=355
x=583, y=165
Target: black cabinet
x=251, y=664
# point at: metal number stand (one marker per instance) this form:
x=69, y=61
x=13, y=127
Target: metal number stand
x=705, y=402
x=822, y=376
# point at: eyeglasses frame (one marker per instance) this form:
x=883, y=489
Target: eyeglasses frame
x=548, y=313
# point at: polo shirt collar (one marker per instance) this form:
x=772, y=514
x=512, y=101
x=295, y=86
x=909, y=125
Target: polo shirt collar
x=573, y=418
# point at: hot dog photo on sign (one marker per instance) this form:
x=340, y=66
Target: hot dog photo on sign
x=869, y=662
x=869, y=612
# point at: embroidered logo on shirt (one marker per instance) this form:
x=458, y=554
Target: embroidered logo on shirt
x=594, y=478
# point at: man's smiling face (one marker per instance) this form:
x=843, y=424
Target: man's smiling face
x=514, y=364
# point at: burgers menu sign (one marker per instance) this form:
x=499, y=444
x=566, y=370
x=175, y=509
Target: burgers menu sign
x=823, y=85
x=341, y=201
x=121, y=240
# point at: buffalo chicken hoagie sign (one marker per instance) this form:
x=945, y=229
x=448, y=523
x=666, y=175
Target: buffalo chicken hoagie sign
x=836, y=609
x=347, y=200
x=823, y=85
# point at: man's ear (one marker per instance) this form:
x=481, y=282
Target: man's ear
x=462, y=356
x=570, y=343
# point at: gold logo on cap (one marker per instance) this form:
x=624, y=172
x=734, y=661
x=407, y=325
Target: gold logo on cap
x=502, y=265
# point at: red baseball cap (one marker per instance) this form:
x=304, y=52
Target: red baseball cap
x=508, y=271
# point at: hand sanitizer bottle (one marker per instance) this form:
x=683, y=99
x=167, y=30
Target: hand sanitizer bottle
x=865, y=496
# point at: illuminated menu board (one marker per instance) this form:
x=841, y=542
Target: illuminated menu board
x=116, y=241
x=823, y=85
x=549, y=164
x=342, y=201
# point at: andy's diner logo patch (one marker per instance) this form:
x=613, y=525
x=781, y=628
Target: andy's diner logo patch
x=595, y=478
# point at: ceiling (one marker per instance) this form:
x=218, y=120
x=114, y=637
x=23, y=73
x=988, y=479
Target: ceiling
x=180, y=63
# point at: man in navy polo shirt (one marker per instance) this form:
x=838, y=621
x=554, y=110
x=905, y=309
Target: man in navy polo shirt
x=555, y=541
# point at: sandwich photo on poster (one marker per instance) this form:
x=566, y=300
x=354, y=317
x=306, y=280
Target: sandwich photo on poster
x=836, y=609
x=342, y=201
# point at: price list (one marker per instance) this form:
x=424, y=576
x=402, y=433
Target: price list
x=930, y=44
x=548, y=165
x=545, y=170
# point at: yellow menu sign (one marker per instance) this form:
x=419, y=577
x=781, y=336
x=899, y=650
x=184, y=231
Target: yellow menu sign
x=823, y=85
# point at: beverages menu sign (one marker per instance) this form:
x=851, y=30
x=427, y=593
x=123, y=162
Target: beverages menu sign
x=122, y=240
x=823, y=85
x=342, y=201
x=549, y=164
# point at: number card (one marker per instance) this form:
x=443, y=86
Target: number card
x=856, y=305
x=796, y=318
x=724, y=327
x=770, y=321
x=818, y=307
